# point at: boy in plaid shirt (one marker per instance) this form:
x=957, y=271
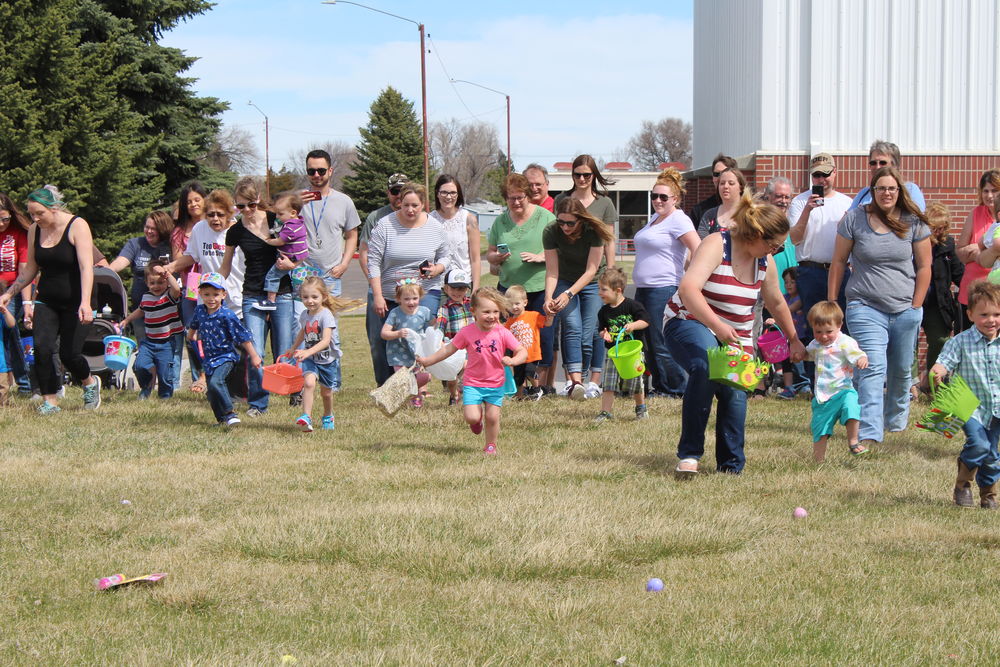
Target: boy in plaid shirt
x=454, y=314
x=975, y=355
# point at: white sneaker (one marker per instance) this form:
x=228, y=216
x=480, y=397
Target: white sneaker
x=592, y=390
x=577, y=392
x=564, y=390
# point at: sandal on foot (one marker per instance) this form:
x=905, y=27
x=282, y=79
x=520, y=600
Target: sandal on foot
x=857, y=449
x=687, y=468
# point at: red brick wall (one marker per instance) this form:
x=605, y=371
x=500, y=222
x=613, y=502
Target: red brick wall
x=949, y=179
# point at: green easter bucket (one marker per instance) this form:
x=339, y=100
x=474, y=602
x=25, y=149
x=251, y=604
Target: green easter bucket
x=730, y=365
x=627, y=357
x=951, y=406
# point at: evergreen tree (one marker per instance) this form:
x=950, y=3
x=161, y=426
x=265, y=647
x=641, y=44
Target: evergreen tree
x=392, y=142
x=63, y=122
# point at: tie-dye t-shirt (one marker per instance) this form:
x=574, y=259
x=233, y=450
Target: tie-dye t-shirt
x=834, y=365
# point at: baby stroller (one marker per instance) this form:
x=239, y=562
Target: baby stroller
x=111, y=305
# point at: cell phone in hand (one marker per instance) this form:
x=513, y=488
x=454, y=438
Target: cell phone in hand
x=503, y=249
x=818, y=191
x=311, y=195
x=425, y=267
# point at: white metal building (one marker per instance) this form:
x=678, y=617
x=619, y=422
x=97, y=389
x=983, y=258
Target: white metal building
x=798, y=76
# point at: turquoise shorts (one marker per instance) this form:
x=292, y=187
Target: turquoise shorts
x=840, y=407
x=479, y=395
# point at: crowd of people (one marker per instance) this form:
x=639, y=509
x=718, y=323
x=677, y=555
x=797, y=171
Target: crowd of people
x=849, y=282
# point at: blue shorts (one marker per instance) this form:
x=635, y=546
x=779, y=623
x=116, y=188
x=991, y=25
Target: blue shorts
x=325, y=373
x=842, y=406
x=479, y=395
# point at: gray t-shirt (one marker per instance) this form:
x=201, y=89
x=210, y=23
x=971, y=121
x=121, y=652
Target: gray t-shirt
x=313, y=328
x=396, y=252
x=373, y=217
x=882, y=271
x=326, y=221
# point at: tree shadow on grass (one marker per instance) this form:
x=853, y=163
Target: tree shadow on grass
x=441, y=450
x=661, y=465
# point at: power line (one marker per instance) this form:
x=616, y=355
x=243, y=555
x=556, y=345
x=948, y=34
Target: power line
x=448, y=75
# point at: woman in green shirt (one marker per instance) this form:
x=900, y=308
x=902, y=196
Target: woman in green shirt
x=518, y=233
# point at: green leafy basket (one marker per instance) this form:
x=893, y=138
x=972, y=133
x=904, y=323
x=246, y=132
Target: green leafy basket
x=951, y=406
x=730, y=365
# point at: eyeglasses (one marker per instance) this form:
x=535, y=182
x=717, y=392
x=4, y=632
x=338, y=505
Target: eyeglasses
x=820, y=174
x=518, y=199
x=251, y=204
x=567, y=223
x=583, y=175
x=878, y=163
x=886, y=189
x=320, y=170
x=447, y=193
x=215, y=214
x=653, y=196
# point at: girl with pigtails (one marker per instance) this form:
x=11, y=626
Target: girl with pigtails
x=714, y=306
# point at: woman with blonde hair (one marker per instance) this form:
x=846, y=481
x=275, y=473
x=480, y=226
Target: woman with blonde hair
x=661, y=248
x=942, y=315
x=732, y=184
x=714, y=306
x=574, y=250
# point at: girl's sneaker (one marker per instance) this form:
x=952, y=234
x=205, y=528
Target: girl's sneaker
x=490, y=449
x=92, y=394
x=328, y=424
x=417, y=402
x=47, y=408
x=305, y=423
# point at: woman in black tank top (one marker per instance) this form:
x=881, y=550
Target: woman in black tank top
x=60, y=247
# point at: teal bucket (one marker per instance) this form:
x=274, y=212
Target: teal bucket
x=117, y=350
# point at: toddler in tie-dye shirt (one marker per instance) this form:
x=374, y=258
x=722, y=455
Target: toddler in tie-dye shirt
x=836, y=355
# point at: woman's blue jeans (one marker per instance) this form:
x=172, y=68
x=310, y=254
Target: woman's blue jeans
x=259, y=322
x=15, y=348
x=667, y=376
x=689, y=341
x=579, y=329
x=888, y=339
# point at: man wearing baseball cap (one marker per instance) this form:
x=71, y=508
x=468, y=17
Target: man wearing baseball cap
x=813, y=220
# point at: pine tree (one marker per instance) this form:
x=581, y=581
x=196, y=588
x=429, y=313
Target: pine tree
x=391, y=143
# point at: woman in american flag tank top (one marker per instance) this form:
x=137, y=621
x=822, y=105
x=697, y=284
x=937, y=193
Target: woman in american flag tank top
x=714, y=306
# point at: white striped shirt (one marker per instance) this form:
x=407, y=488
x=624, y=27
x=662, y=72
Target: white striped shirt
x=731, y=300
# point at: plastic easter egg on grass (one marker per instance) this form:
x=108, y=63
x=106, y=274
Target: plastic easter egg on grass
x=800, y=513
x=654, y=585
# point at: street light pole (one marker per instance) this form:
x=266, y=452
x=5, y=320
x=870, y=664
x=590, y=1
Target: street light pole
x=423, y=81
x=267, y=152
x=477, y=85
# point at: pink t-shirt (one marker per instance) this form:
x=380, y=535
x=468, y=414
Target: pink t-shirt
x=485, y=349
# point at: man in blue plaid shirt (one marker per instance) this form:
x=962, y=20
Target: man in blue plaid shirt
x=975, y=355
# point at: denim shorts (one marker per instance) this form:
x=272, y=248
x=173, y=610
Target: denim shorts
x=478, y=395
x=324, y=372
x=841, y=406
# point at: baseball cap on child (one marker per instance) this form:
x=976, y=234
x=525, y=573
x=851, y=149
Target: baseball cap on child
x=457, y=278
x=214, y=279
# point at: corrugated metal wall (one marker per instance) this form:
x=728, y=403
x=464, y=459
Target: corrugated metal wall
x=835, y=74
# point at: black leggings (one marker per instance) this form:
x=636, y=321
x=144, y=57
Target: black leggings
x=50, y=324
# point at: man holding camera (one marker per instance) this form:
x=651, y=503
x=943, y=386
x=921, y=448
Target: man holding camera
x=813, y=217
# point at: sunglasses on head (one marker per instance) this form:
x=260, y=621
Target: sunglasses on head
x=653, y=196
x=312, y=171
x=878, y=163
x=587, y=176
x=251, y=204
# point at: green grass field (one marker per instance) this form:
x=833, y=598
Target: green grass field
x=394, y=541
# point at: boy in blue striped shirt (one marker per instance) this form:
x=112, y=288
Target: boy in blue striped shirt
x=975, y=355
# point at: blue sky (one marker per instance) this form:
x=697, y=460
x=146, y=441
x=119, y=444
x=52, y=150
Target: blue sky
x=581, y=75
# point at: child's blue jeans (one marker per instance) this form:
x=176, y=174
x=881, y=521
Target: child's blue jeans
x=980, y=450
x=218, y=392
x=272, y=281
x=158, y=354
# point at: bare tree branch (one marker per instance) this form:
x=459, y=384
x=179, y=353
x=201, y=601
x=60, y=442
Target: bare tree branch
x=342, y=157
x=233, y=150
x=667, y=140
x=467, y=151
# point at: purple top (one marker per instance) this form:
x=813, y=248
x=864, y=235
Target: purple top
x=293, y=233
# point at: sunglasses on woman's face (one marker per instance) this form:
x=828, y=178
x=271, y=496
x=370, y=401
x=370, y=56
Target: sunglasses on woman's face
x=878, y=163
x=585, y=176
x=313, y=171
x=567, y=223
x=215, y=214
x=653, y=196
x=251, y=204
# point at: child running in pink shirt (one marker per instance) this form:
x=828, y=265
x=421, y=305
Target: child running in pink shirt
x=486, y=342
